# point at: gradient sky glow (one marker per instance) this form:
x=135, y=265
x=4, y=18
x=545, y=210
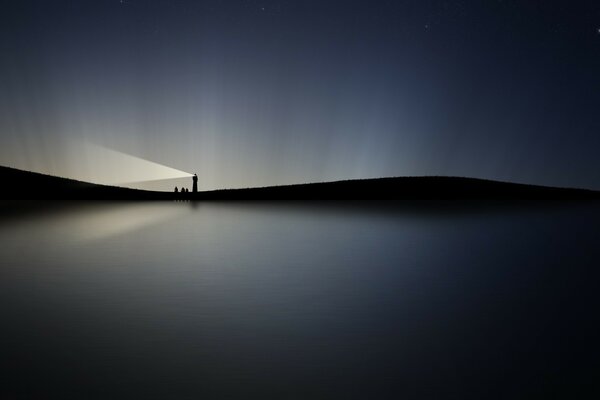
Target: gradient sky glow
x=263, y=92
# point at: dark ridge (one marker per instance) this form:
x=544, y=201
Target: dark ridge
x=404, y=188
x=24, y=185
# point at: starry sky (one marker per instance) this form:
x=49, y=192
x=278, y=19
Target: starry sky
x=265, y=92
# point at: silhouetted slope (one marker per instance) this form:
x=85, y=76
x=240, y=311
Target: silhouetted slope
x=23, y=185
x=19, y=184
x=405, y=188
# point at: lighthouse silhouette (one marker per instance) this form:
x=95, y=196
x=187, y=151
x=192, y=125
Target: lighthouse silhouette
x=195, y=187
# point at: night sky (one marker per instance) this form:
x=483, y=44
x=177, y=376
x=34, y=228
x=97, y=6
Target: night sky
x=263, y=92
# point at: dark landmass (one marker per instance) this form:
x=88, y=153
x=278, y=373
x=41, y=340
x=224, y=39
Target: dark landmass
x=24, y=185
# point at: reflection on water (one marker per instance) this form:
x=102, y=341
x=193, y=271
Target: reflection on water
x=101, y=221
x=244, y=300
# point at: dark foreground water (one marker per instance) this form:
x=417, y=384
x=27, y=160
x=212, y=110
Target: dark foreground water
x=273, y=301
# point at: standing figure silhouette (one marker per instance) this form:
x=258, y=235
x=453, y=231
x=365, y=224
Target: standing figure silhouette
x=195, y=187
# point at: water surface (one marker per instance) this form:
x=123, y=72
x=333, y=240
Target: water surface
x=290, y=301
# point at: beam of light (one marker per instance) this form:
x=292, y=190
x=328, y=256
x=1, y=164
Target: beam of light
x=94, y=163
x=89, y=162
x=117, y=168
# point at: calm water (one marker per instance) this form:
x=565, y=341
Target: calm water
x=170, y=300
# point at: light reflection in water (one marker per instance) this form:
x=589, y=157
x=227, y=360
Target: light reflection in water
x=164, y=300
x=89, y=222
x=120, y=220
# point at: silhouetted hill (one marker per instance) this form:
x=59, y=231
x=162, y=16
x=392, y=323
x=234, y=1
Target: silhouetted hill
x=24, y=185
x=405, y=188
x=19, y=184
